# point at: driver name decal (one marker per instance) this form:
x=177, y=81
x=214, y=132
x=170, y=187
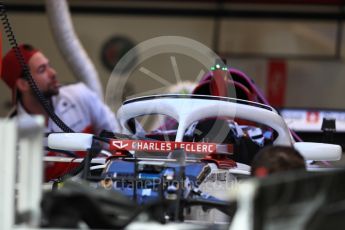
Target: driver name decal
x=162, y=146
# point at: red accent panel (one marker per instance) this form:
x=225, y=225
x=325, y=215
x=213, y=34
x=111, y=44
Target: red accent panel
x=221, y=160
x=163, y=146
x=88, y=129
x=276, y=82
x=218, y=83
x=313, y=116
x=53, y=170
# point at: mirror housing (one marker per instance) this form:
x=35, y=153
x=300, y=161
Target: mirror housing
x=70, y=141
x=319, y=151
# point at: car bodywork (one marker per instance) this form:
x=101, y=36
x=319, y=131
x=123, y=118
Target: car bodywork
x=181, y=174
x=191, y=150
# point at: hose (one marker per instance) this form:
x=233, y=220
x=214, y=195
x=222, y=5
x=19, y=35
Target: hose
x=70, y=46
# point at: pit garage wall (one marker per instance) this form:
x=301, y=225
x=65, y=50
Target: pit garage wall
x=314, y=79
x=310, y=84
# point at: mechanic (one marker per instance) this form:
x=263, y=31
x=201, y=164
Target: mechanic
x=76, y=105
x=275, y=159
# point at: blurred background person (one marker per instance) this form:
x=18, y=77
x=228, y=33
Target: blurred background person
x=75, y=104
x=275, y=159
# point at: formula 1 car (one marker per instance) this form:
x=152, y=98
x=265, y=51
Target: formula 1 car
x=186, y=150
x=194, y=164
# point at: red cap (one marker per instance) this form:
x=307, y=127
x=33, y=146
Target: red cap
x=11, y=68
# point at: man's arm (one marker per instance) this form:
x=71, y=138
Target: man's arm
x=102, y=117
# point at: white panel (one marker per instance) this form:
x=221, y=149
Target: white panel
x=8, y=138
x=30, y=168
x=319, y=151
x=70, y=141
